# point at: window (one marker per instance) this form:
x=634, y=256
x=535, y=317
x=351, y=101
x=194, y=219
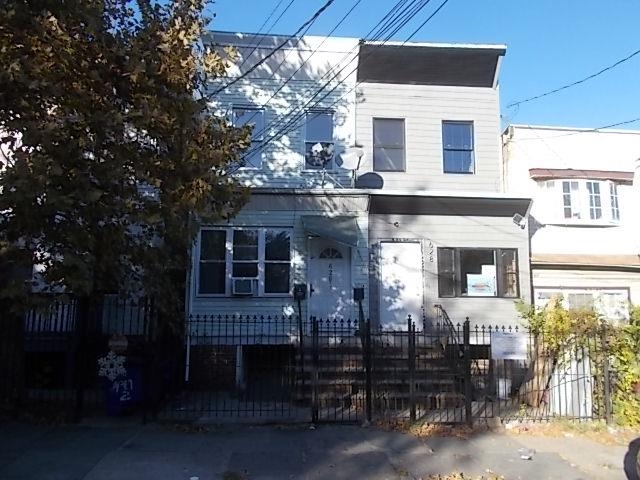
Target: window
x=263, y=254
x=255, y=118
x=318, y=145
x=457, y=141
x=477, y=272
x=571, y=199
x=595, y=204
x=613, y=195
x=388, y=145
x=611, y=303
x=212, y=261
x=582, y=200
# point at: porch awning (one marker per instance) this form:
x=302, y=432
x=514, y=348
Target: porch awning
x=342, y=229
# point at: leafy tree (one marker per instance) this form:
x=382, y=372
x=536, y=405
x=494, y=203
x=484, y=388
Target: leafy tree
x=114, y=156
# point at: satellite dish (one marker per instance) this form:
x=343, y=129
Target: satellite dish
x=351, y=158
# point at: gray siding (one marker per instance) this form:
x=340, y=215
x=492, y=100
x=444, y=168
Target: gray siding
x=424, y=108
x=456, y=231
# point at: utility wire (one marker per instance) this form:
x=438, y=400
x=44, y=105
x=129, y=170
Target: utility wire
x=399, y=20
x=313, y=18
x=388, y=21
x=578, y=82
x=255, y=47
x=578, y=132
x=293, y=123
x=302, y=64
x=425, y=22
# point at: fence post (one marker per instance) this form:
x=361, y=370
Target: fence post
x=411, y=339
x=79, y=360
x=314, y=369
x=607, y=376
x=368, y=351
x=466, y=334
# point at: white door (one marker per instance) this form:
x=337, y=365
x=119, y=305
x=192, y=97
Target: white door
x=330, y=293
x=400, y=283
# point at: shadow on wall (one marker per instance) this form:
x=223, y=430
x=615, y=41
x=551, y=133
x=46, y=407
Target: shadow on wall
x=632, y=460
x=297, y=79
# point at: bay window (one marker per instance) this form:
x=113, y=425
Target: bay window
x=478, y=272
x=579, y=201
x=260, y=254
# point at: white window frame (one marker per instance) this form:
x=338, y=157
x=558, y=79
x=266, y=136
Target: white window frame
x=582, y=202
x=229, y=261
x=307, y=140
x=257, y=142
x=614, y=201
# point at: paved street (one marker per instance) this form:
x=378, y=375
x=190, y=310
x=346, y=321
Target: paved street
x=129, y=451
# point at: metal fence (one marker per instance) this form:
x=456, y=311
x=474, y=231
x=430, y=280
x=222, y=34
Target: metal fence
x=225, y=368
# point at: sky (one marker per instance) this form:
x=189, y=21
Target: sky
x=550, y=43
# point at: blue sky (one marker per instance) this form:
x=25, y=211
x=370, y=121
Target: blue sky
x=550, y=43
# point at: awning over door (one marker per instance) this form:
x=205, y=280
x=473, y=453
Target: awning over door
x=341, y=229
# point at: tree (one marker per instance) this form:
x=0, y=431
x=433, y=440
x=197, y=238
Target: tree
x=114, y=157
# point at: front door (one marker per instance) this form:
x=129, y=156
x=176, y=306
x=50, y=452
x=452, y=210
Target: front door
x=329, y=280
x=401, y=291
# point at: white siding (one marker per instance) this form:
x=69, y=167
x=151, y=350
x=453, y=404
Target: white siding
x=305, y=74
x=593, y=279
x=287, y=211
x=458, y=231
x=424, y=108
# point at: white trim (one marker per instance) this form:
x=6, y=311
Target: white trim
x=229, y=261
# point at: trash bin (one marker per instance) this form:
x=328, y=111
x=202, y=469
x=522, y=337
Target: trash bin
x=124, y=392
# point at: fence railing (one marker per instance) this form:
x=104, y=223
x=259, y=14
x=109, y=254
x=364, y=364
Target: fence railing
x=273, y=368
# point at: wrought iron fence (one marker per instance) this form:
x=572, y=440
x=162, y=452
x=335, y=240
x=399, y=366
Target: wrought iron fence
x=280, y=368
x=50, y=355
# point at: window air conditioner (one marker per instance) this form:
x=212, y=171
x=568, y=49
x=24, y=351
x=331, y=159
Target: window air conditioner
x=243, y=286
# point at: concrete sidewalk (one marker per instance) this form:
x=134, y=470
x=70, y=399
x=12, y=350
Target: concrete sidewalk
x=129, y=451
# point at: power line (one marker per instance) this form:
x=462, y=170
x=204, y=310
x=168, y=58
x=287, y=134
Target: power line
x=302, y=64
x=578, y=82
x=293, y=123
x=578, y=132
x=269, y=30
x=313, y=18
x=401, y=19
x=387, y=20
x=426, y=21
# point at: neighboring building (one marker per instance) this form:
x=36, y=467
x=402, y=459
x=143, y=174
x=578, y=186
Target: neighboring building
x=585, y=222
x=417, y=220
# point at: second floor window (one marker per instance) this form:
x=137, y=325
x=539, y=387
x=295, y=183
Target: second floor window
x=318, y=145
x=457, y=143
x=388, y=145
x=595, y=204
x=613, y=195
x=580, y=201
x=255, y=117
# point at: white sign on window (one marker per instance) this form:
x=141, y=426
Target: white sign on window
x=509, y=345
x=479, y=285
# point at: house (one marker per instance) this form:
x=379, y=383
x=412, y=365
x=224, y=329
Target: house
x=584, y=223
x=375, y=167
